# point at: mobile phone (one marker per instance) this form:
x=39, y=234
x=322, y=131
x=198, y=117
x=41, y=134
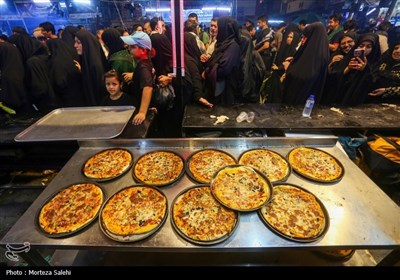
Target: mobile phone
x=359, y=53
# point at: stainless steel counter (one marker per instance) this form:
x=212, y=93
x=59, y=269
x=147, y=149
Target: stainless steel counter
x=361, y=214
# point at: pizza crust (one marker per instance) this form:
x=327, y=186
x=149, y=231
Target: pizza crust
x=241, y=188
x=268, y=162
x=203, y=164
x=294, y=213
x=107, y=164
x=134, y=210
x=159, y=168
x=199, y=217
x=71, y=209
x=315, y=164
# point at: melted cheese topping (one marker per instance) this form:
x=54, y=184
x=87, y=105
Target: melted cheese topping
x=158, y=168
x=315, y=164
x=71, y=209
x=134, y=210
x=294, y=212
x=200, y=217
x=205, y=163
x=269, y=163
x=107, y=164
x=240, y=188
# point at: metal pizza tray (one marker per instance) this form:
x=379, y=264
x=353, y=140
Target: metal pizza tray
x=309, y=177
x=103, y=162
x=187, y=164
x=134, y=236
x=197, y=241
x=298, y=239
x=65, y=234
x=78, y=123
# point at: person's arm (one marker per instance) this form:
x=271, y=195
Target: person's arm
x=386, y=92
x=265, y=46
x=144, y=106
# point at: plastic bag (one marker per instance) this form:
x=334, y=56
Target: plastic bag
x=163, y=97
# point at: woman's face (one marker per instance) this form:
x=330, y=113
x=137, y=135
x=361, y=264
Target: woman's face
x=346, y=44
x=289, y=38
x=396, y=52
x=78, y=46
x=367, y=46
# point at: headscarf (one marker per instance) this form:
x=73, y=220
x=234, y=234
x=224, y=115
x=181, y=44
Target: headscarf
x=286, y=50
x=355, y=85
x=307, y=72
x=112, y=39
x=13, y=91
x=68, y=35
x=65, y=76
x=93, y=67
x=224, y=63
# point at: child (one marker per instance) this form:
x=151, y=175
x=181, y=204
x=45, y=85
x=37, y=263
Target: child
x=140, y=49
x=113, y=83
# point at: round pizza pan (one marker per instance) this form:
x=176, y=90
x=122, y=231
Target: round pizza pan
x=187, y=165
x=163, y=184
x=279, y=155
x=64, y=234
x=195, y=241
x=296, y=239
x=132, y=237
x=110, y=178
x=255, y=170
x=315, y=179
x=339, y=255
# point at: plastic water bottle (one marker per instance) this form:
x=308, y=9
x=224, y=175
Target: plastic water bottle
x=309, y=106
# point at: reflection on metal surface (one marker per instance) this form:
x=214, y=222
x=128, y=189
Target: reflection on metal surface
x=361, y=214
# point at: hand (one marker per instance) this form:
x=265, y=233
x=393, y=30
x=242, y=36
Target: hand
x=204, y=57
x=77, y=65
x=357, y=63
x=286, y=64
x=128, y=76
x=377, y=92
x=205, y=102
x=164, y=80
x=336, y=58
x=138, y=119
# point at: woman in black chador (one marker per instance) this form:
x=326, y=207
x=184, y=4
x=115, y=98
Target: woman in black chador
x=12, y=73
x=37, y=80
x=93, y=65
x=360, y=73
x=64, y=74
x=307, y=72
x=223, y=69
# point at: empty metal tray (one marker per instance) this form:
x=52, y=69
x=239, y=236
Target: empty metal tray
x=78, y=123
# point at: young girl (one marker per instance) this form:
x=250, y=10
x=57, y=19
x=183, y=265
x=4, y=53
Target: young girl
x=113, y=82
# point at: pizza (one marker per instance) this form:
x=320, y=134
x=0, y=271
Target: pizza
x=315, y=164
x=203, y=164
x=200, y=217
x=108, y=164
x=268, y=162
x=294, y=213
x=241, y=188
x=134, y=210
x=71, y=209
x=158, y=168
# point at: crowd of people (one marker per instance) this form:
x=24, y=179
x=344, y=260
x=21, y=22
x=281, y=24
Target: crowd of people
x=225, y=64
